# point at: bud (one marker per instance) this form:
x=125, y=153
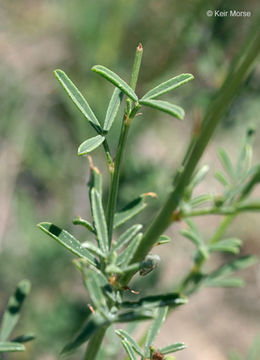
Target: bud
x=149, y=264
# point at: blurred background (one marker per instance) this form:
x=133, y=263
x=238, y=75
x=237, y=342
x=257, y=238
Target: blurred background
x=42, y=179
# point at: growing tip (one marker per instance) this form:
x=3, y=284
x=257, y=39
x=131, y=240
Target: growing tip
x=140, y=47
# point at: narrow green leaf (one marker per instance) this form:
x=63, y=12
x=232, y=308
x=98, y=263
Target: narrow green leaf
x=91, y=144
x=95, y=322
x=152, y=302
x=77, y=98
x=222, y=178
x=163, y=239
x=138, y=315
x=12, y=313
x=125, y=336
x=224, y=282
x=226, y=163
x=189, y=234
x=127, y=254
x=235, y=265
x=67, y=240
x=199, y=176
x=127, y=237
x=165, y=106
x=11, y=347
x=168, y=85
x=199, y=200
x=172, y=348
x=92, y=283
x=112, y=109
x=129, y=350
x=93, y=249
x=79, y=221
x=24, y=338
x=231, y=245
x=99, y=220
x=132, y=209
x=116, y=80
x=155, y=328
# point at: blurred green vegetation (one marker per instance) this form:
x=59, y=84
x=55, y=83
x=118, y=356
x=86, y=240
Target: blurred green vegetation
x=41, y=176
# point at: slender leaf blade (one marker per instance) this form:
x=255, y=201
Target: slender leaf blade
x=78, y=99
x=24, y=338
x=155, y=328
x=92, y=282
x=67, y=240
x=166, y=107
x=99, y=220
x=224, y=282
x=12, y=313
x=116, y=80
x=138, y=315
x=126, y=256
x=127, y=237
x=226, y=163
x=168, y=85
x=151, y=302
x=96, y=321
x=172, y=348
x=93, y=249
x=132, y=209
x=125, y=336
x=231, y=245
x=112, y=109
x=129, y=350
x=11, y=347
x=91, y=144
x=238, y=264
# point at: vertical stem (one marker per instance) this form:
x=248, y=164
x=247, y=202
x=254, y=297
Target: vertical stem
x=128, y=116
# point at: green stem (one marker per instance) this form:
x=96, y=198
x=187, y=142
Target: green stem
x=94, y=344
x=108, y=154
x=212, y=117
x=232, y=210
x=129, y=115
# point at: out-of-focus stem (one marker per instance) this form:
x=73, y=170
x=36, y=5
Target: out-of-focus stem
x=212, y=117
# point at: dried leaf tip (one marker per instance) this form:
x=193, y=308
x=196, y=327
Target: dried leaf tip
x=151, y=194
x=140, y=47
x=92, y=166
